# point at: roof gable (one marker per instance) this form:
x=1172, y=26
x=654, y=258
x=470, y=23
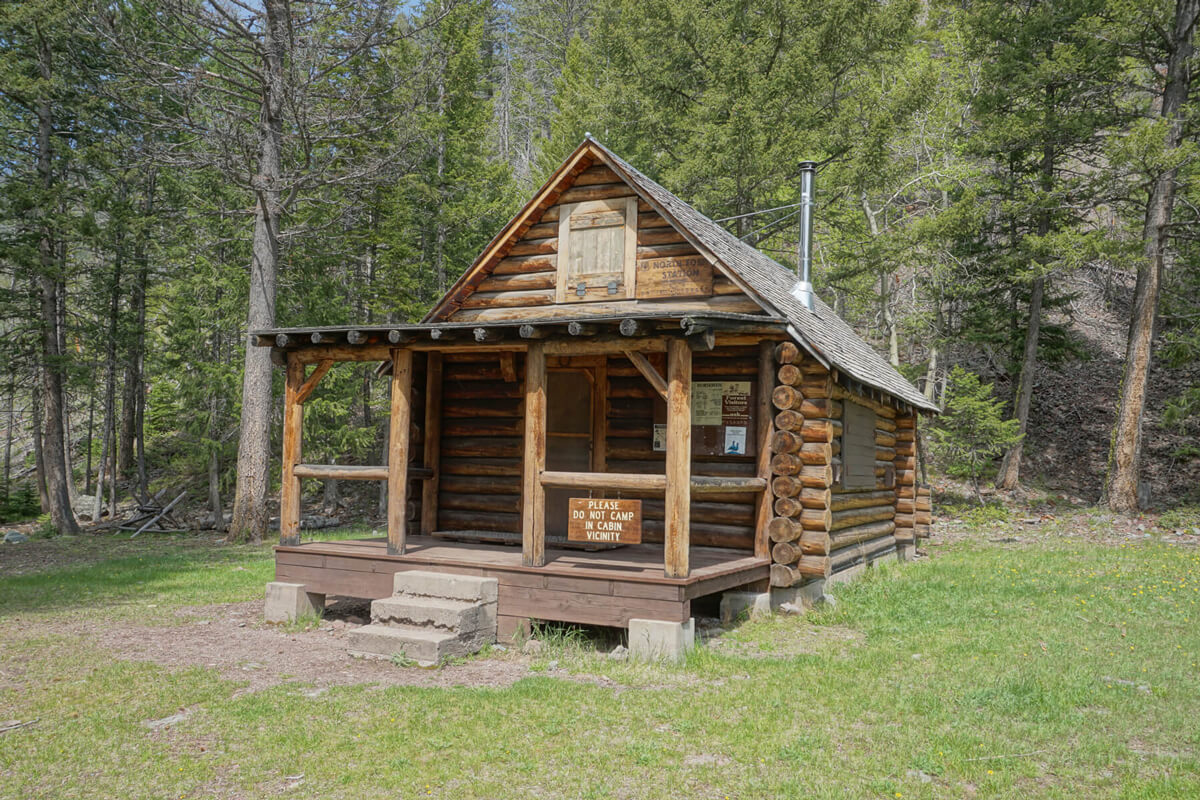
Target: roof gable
x=520, y=272
x=762, y=284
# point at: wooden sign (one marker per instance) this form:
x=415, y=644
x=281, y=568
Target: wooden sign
x=684, y=276
x=599, y=521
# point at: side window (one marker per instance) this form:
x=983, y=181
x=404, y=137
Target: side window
x=858, y=446
x=597, y=247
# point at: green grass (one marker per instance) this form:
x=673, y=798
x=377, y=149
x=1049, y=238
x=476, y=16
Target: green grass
x=1054, y=669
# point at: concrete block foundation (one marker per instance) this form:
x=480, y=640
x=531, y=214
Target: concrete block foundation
x=734, y=604
x=289, y=601
x=804, y=596
x=659, y=640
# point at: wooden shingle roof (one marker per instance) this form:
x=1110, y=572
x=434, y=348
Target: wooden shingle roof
x=821, y=331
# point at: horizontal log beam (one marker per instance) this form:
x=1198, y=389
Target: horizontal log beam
x=352, y=472
x=627, y=481
x=637, y=482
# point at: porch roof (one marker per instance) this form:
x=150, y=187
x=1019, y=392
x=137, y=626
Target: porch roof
x=452, y=334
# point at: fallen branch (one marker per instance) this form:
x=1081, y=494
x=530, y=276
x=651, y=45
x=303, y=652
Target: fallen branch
x=160, y=514
x=14, y=726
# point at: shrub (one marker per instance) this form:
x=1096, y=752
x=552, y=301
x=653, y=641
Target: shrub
x=19, y=505
x=972, y=429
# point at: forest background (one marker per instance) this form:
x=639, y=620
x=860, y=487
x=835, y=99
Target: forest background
x=1006, y=191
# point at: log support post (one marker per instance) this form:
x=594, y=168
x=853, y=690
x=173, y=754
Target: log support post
x=293, y=423
x=765, y=434
x=398, y=448
x=433, y=443
x=533, y=495
x=679, y=458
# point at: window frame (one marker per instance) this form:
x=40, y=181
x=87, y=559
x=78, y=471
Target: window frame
x=857, y=445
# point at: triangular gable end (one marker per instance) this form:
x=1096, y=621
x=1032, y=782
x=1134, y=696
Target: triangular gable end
x=590, y=243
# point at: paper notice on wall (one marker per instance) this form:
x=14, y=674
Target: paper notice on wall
x=735, y=440
x=706, y=402
x=660, y=438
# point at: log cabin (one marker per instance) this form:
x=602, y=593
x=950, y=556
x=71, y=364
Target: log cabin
x=618, y=409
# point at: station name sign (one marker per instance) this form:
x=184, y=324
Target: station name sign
x=599, y=521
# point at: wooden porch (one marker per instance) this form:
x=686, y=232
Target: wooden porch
x=608, y=587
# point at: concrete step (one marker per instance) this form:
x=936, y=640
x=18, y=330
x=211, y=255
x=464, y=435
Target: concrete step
x=467, y=588
x=426, y=647
x=456, y=616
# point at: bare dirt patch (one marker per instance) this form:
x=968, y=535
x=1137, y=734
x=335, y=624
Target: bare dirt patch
x=233, y=640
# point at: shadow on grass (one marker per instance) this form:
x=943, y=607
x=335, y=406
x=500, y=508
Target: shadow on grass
x=155, y=580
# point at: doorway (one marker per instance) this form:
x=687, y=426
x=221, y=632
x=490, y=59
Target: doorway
x=569, y=405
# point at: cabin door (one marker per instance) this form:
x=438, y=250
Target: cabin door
x=569, y=398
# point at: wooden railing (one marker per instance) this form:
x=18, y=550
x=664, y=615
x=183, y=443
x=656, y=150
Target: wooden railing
x=634, y=482
x=348, y=472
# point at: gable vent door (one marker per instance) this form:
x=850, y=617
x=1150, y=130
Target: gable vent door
x=597, y=250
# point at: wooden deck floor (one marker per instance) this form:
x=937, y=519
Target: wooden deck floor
x=609, y=587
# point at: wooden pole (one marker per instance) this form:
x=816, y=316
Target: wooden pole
x=433, y=443
x=600, y=416
x=679, y=458
x=766, y=431
x=533, y=495
x=401, y=419
x=293, y=423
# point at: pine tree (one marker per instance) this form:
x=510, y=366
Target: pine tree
x=1047, y=82
x=972, y=429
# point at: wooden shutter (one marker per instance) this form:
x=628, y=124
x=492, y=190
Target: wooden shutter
x=597, y=249
x=858, y=446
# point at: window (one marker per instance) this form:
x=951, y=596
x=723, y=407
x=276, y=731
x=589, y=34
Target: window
x=858, y=446
x=597, y=247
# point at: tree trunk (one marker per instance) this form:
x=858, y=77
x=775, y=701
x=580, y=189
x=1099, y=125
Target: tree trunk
x=39, y=459
x=931, y=370
x=885, y=290
x=250, y=513
x=110, y=387
x=54, y=456
x=87, y=466
x=1124, y=460
x=1010, y=468
x=439, y=252
x=140, y=426
x=68, y=442
x=214, y=490
x=214, y=465
x=8, y=435
x=132, y=385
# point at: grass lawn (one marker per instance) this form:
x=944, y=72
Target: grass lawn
x=1045, y=668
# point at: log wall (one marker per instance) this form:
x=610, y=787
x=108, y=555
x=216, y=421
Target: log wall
x=821, y=527
x=483, y=426
x=479, y=488
x=722, y=520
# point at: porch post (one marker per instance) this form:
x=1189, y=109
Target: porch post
x=401, y=419
x=433, y=443
x=533, y=496
x=679, y=457
x=293, y=423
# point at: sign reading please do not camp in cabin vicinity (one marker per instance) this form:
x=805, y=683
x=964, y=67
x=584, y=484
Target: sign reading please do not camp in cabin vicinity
x=600, y=521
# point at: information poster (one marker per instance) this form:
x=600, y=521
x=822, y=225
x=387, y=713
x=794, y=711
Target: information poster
x=722, y=419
